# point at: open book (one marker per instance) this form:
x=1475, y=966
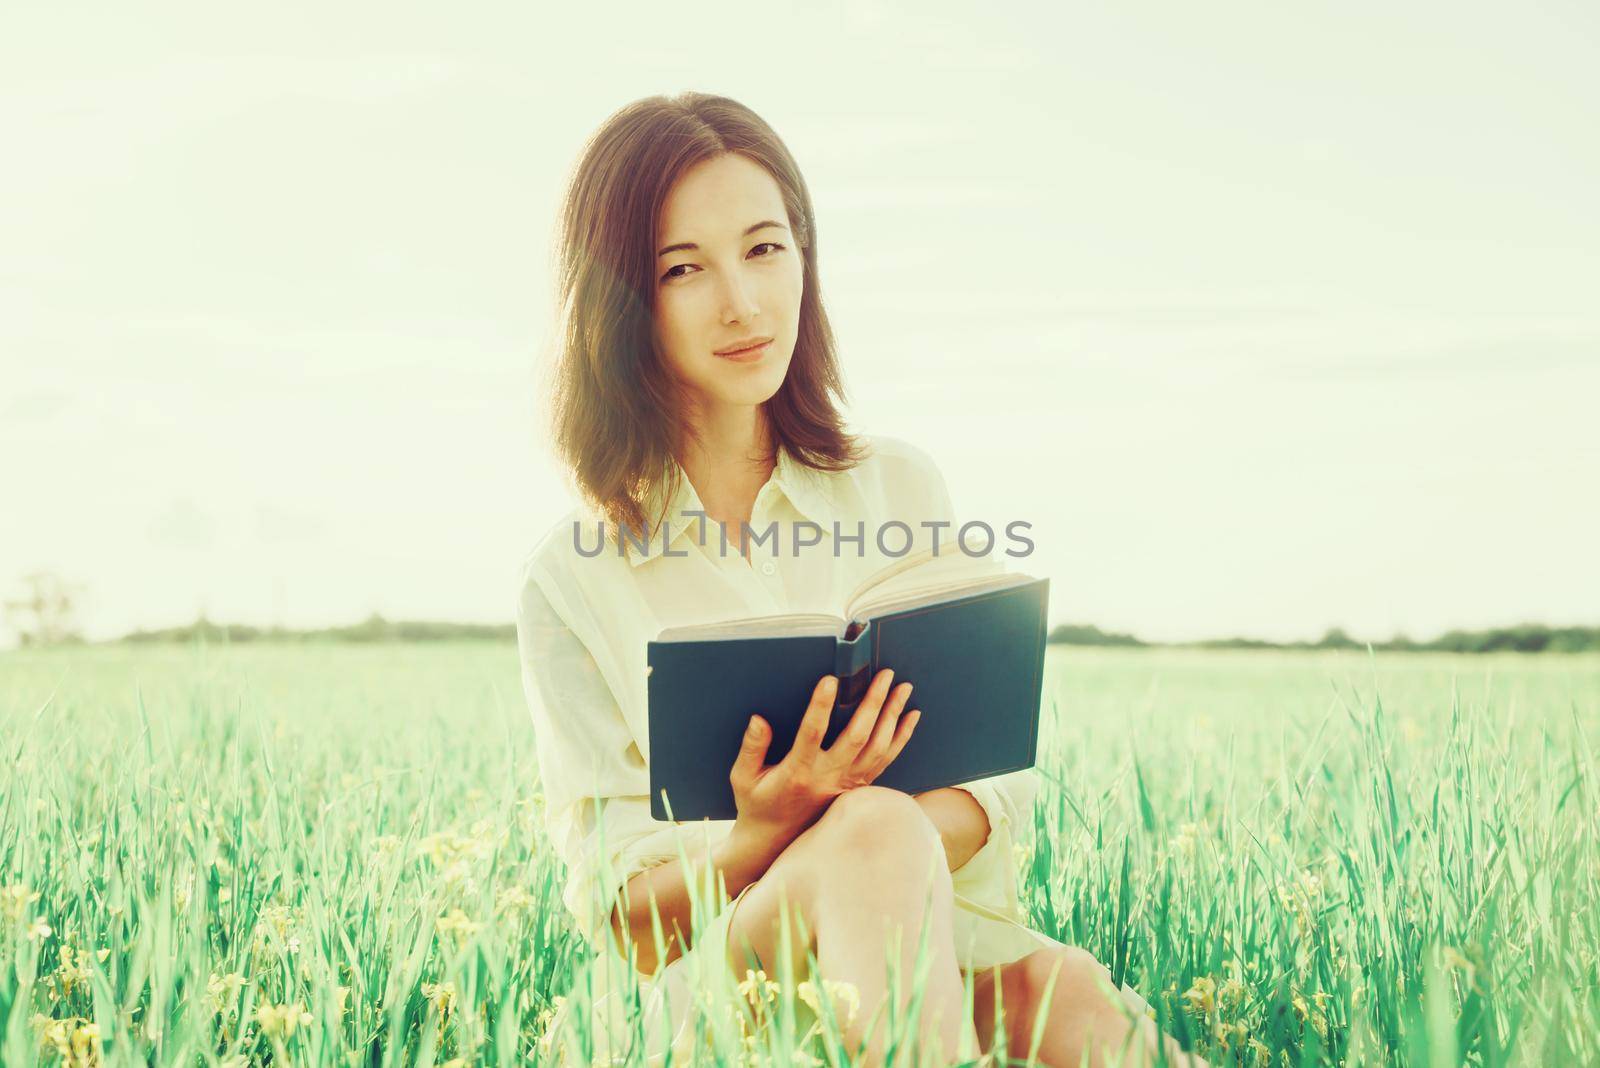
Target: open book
x=965, y=632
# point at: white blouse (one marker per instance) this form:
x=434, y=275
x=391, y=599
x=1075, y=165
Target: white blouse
x=584, y=619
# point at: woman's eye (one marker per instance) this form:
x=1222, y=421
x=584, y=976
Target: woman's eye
x=765, y=244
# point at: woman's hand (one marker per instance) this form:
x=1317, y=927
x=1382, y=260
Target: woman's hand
x=782, y=800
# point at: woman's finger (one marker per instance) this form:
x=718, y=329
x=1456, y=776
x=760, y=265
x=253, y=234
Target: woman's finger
x=888, y=719
x=814, y=724
x=859, y=730
x=902, y=734
x=752, y=752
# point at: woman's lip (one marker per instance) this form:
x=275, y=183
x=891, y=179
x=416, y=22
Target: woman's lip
x=739, y=354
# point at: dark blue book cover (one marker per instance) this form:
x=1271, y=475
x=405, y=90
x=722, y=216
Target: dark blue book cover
x=975, y=658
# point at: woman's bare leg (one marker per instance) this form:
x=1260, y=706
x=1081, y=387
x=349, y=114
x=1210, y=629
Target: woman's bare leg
x=1085, y=1023
x=866, y=867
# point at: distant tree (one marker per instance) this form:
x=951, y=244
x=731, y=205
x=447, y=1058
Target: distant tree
x=1088, y=634
x=46, y=611
x=373, y=629
x=1574, y=639
x=1336, y=638
x=1237, y=643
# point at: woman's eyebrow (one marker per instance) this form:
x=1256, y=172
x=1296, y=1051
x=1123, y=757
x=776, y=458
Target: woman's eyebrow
x=748, y=231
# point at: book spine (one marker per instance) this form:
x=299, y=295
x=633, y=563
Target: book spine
x=853, y=666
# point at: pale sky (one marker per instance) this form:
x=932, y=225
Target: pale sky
x=1267, y=317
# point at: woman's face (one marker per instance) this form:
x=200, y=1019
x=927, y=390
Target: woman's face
x=739, y=276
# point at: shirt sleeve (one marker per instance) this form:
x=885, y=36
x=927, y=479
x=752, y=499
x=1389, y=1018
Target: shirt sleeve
x=595, y=782
x=990, y=874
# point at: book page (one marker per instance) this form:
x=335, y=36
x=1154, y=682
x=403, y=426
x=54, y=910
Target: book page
x=923, y=578
x=915, y=579
x=801, y=624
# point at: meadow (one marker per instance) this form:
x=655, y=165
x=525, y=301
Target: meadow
x=331, y=854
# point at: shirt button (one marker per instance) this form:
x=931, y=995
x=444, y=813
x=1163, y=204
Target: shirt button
x=768, y=568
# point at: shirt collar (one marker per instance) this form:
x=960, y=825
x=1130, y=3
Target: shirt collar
x=801, y=485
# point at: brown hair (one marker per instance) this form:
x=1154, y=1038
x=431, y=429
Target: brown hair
x=617, y=412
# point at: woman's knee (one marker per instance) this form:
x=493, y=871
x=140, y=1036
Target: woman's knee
x=869, y=833
x=875, y=822
x=1074, y=972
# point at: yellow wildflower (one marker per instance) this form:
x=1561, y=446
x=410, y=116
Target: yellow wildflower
x=1305, y=1011
x=74, y=970
x=1187, y=838
x=222, y=992
x=1454, y=960
x=847, y=990
x=75, y=1040
x=1202, y=996
x=442, y=996
x=445, y=849
x=280, y=1021
x=1233, y=990
x=456, y=923
x=14, y=901
x=513, y=899
x=276, y=921
x=756, y=987
x=86, y=1043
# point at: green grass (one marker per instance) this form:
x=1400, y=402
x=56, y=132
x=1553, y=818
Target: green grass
x=332, y=854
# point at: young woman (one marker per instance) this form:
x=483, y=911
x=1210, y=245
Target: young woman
x=694, y=405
